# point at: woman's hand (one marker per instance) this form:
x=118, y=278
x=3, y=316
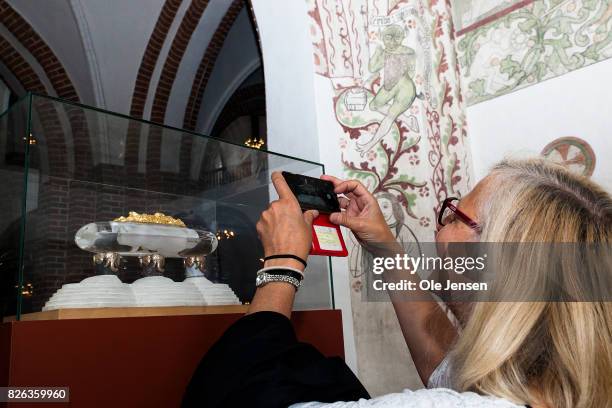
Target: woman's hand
x=362, y=214
x=283, y=228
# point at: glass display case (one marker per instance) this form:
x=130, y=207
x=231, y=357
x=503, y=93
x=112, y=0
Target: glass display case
x=100, y=210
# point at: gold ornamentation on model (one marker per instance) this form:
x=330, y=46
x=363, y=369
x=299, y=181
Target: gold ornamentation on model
x=157, y=218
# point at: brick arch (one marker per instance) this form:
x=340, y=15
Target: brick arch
x=168, y=75
x=61, y=83
x=20, y=68
x=61, y=209
x=143, y=79
x=50, y=217
x=207, y=64
x=201, y=78
x=177, y=50
x=150, y=56
x=29, y=38
x=29, y=80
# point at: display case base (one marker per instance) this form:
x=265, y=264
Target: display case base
x=130, y=362
x=110, y=312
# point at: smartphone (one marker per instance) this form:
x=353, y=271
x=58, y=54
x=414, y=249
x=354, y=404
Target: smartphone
x=313, y=193
x=316, y=194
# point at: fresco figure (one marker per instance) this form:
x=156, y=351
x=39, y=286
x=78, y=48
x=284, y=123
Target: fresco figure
x=394, y=216
x=397, y=63
x=361, y=260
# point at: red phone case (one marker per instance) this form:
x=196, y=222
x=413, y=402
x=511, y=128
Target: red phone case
x=322, y=228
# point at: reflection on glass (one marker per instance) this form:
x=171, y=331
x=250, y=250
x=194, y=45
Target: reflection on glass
x=67, y=172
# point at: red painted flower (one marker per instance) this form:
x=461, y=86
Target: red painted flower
x=424, y=221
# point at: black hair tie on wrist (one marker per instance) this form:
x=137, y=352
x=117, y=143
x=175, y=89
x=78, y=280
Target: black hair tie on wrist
x=281, y=256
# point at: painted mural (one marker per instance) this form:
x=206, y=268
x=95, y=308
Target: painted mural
x=401, y=131
x=468, y=14
x=573, y=153
x=542, y=40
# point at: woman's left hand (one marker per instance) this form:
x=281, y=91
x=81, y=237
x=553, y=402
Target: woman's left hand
x=283, y=228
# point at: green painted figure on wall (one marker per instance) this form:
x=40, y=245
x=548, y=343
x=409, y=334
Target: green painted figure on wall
x=397, y=63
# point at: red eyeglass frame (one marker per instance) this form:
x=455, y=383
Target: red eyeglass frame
x=460, y=214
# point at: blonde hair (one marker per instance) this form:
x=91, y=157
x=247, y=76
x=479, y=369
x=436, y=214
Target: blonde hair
x=553, y=353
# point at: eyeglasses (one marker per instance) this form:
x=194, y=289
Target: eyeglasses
x=449, y=212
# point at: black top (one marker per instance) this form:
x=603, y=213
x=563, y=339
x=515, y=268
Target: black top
x=259, y=362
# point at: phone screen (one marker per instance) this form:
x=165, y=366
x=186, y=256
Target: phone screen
x=313, y=193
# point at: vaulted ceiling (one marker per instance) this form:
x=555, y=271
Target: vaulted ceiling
x=175, y=62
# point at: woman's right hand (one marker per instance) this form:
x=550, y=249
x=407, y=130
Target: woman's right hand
x=362, y=214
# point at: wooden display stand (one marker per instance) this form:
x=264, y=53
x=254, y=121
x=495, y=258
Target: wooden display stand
x=129, y=361
x=106, y=312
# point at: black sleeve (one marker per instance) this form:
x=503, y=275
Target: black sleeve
x=259, y=362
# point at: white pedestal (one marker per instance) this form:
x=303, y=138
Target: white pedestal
x=108, y=291
x=162, y=291
x=213, y=293
x=95, y=291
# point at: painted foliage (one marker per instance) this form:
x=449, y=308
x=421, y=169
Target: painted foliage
x=402, y=132
x=542, y=40
x=392, y=65
x=470, y=14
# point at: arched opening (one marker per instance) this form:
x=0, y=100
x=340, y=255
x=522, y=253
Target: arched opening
x=189, y=64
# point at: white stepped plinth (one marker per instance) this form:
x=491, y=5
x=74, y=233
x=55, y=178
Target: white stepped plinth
x=109, y=291
x=213, y=293
x=162, y=291
x=95, y=291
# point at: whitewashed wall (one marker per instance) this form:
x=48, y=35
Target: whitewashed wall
x=293, y=125
x=523, y=122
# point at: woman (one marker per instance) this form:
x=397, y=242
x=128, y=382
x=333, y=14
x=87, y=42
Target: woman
x=538, y=354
